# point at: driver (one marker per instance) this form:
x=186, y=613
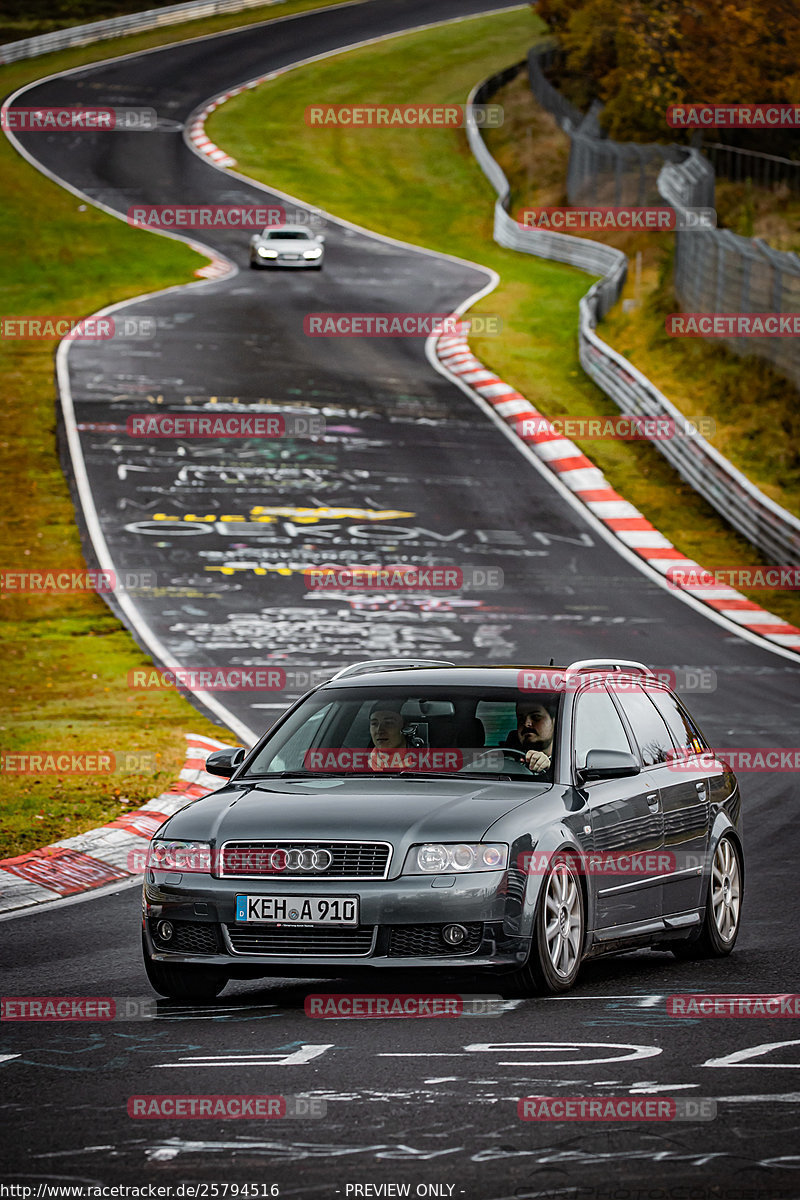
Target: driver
x=535, y=731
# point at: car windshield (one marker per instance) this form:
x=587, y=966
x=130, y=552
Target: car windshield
x=286, y=235
x=431, y=731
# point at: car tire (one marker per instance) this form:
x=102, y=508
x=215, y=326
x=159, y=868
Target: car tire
x=179, y=982
x=559, y=933
x=720, y=927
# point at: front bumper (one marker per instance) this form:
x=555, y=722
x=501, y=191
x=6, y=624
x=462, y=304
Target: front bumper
x=399, y=925
x=286, y=262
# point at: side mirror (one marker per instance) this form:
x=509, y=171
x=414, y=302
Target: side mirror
x=225, y=762
x=608, y=764
x=320, y=237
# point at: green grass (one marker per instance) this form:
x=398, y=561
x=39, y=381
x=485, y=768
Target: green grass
x=29, y=18
x=427, y=189
x=18, y=27
x=66, y=658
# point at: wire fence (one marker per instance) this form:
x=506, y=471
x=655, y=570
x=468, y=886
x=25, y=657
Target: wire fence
x=716, y=271
x=774, y=530
x=765, y=170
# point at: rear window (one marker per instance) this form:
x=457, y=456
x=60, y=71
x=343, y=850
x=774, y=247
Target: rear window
x=287, y=235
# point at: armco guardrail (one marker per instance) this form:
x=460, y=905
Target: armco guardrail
x=587, y=255
x=771, y=528
x=98, y=31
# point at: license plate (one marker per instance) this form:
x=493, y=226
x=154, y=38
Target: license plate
x=298, y=910
x=290, y=257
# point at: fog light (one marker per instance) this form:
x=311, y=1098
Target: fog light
x=165, y=930
x=454, y=934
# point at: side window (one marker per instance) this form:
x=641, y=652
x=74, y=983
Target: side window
x=684, y=733
x=648, y=725
x=292, y=752
x=597, y=726
x=499, y=718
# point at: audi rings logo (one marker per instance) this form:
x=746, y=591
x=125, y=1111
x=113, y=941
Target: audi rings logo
x=295, y=859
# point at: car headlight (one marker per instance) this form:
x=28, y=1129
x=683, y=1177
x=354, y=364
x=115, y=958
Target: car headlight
x=316, y=253
x=262, y=252
x=164, y=854
x=435, y=858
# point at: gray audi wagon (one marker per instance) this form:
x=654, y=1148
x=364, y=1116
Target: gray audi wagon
x=419, y=816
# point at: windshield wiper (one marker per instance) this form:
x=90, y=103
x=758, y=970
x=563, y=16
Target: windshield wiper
x=298, y=775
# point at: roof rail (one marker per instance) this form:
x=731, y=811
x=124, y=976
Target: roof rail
x=388, y=664
x=607, y=664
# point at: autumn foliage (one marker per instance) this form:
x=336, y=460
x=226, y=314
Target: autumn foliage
x=638, y=56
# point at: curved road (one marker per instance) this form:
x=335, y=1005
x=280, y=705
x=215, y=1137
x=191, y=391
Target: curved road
x=432, y=480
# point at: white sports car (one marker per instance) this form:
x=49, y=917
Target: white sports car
x=287, y=246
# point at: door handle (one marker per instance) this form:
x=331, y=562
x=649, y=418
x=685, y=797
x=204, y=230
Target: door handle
x=652, y=800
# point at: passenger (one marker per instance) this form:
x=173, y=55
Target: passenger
x=386, y=731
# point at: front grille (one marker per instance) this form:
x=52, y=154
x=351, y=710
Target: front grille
x=299, y=941
x=349, y=860
x=420, y=941
x=190, y=937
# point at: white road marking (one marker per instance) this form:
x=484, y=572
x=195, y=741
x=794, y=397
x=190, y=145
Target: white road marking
x=637, y=1089
x=741, y=1058
x=548, y=1048
x=255, y=1058
x=8, y=1057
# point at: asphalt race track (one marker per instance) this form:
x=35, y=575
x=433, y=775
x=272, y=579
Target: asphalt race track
x=425, y=477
